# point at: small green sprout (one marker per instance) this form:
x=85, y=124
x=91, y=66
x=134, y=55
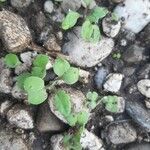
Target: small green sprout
x=39, y=72
x=110, y=103
x=87, y=2
x=70, y=20
x=63, y=69
x=11, y=60
x=114, y=17
x=116, y=55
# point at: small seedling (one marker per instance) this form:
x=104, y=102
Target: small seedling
x=116, y=55
x=110, y=103
x=11, y=60
x=114, y=17
x=62, y=68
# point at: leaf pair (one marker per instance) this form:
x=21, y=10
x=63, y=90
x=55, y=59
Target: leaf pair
x=63, y=69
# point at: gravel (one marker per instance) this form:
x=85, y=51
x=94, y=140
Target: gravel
x=20, y=4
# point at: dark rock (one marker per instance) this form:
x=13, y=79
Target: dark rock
x=128, y=71
x=134, y=54
x=121, y=133
x=100, y=76
x=138, y=146
x=47, y=121
x=139, y=114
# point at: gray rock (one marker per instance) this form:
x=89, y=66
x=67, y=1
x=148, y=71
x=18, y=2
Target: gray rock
x=18, y=93
x=139, y=114
x=20, y=4
x=133, y=11
x=147, y=103
x=20, y=116
x=110, y=27
x=134, y=54
x=138, y=146
x=117, y=1
x=47, y=121
x=86, y=54
x=48, y=6
x=11, y=141
x=91, y=6
x=113, y=82
x=144, y=87
x=100, y=76
x=5, y=81
x=144, y=72
x=128, y=71
x=14, y=33
x=23, y=67
x=121, y=133
x=5, y=106
x=70, y=4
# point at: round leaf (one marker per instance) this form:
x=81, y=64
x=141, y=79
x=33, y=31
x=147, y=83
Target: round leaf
x=41, y=61
x=11, y=60
x=39, y=72
x=96, y=35
x=33, y=83
x=62, y=103
x=21, y=78
x=37, y=97
x=72, y=120
x=60, y=66
x=71, y=76
x=83, y=117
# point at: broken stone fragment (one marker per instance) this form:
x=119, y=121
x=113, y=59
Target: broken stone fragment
x=20, y=116
x=14, y=32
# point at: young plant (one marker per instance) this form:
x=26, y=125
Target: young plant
x=11, y=60
x=90, y=29
x=116, y=55
x=69, y=74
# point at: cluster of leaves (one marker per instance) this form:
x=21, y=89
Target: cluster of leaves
x=116, y=55
x=63, y=70
x=90, y=29
x=33, y=83
x=63, y=104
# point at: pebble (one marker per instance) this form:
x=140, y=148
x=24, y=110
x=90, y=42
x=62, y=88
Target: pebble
x=73, y=5
x=113, y=82
x=77, y=99
x=20, y=4
x=147, y=103
x=121, y=133
x=144, y=71
x=15, y=34
x=46, y=121
x=134, y=54
x=86, y=54
x=100, y=76
x=132, y=11
x=48, y=6
x=144, y=87
x=139, y=114
x=23, y=67
x=11, y=141
x=6, y=81
x=20, y=116
x=91, y=6
x=110, y=27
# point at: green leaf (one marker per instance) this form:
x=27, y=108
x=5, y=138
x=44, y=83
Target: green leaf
x=70, y=20
x=62, y=103
x=97, y=13
x=21, y=78
x=87, y=30
x=92, y=96
x=2, y=0
x=41, y=61
x=60, y=66
x=11, y=60
x=96, y=35
x=39, y=72
x=71, y=76
x=83, y=117
x=110, y=103
x=33, y=84
x=72, y=119
x=87, y=2
x=37, y=97
x=114, y=17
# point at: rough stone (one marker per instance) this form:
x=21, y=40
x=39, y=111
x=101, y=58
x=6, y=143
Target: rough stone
x=134, y=54
x=5, y=81
x=144, y=72
x=110, y=27
x=77, y=100
x=47, y=121
x=121, y=133
x=14, y=33
x=48, y=6
x=23, y=67
x=139, y=114
x=20, y=4
x=91, y=6
x=20, y=116
x=144, y=87
x=132, y=12
x=117, y=1
x=86, y=54
x=113, y=82
x=138, y=146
